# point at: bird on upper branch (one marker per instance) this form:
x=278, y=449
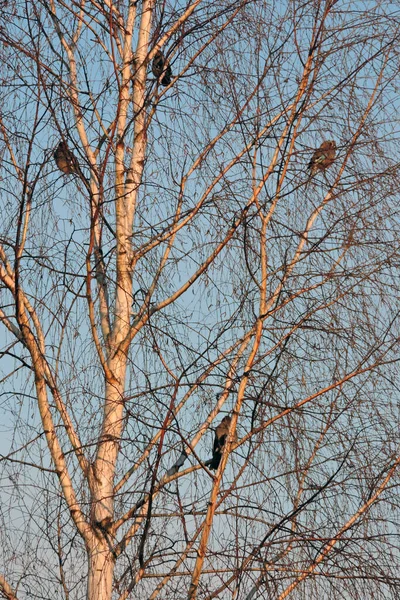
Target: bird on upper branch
x=323, y=157
x=65, y=160
x=221, y=433
x=161, y=68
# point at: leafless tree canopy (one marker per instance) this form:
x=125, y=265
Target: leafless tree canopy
x=179, y=263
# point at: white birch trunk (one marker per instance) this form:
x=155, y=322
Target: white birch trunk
x=100, y=572
x=100, y=554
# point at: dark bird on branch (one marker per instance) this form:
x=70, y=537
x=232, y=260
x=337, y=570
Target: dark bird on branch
x=161, y=68
x=65, y=160
x=323, y=157
x=221, y=433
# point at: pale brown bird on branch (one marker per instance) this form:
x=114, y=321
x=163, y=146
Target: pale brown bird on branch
x=161, y=68
x=221, y=433
x=323, y=157
x=65, y=160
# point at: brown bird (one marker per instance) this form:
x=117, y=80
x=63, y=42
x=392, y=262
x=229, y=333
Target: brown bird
x=221, y=433
x=323, y=157
x=161, y=68
x=65, y=160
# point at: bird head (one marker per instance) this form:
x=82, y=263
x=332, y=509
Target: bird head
x=159, y=56
x=329, y=145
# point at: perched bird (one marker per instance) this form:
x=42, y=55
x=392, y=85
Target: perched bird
x=221, y=433
x=65, y=160
x=323, y=157
x=161, y=68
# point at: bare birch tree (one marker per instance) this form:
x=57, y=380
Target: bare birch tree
x=167, y=260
